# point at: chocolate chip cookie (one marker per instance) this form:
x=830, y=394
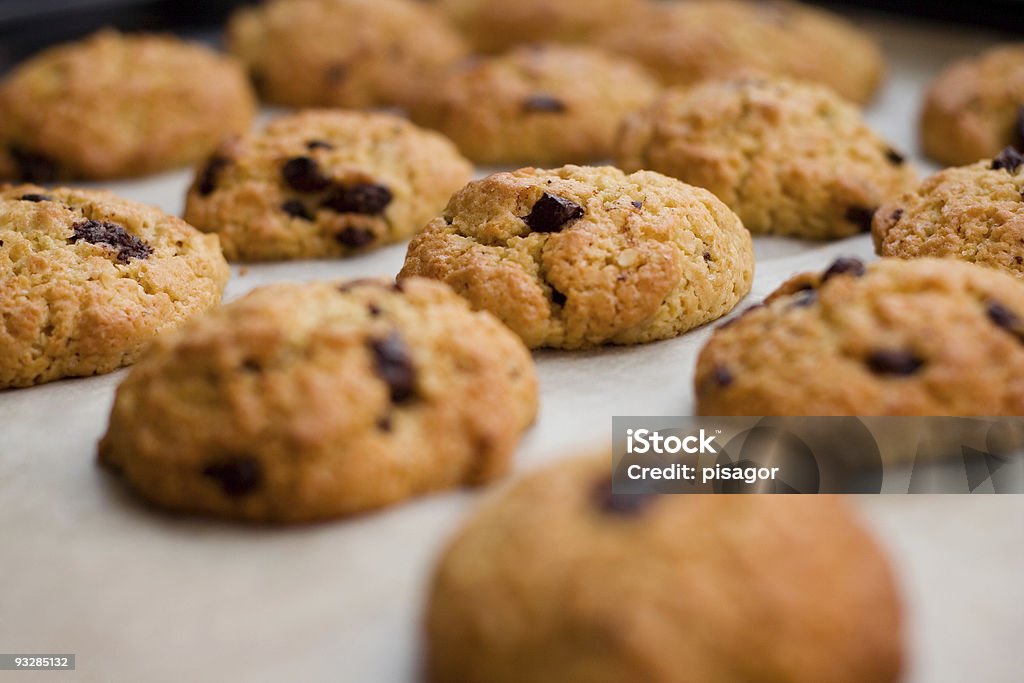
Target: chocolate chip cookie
x=302, y=402
x=544, y=105
x=118, y=105
x=88, y=279
x=322, y=184
x=496, y=25
x=686, y=42
x=973, y=213
x=921, y=337
x=790, y=158
x=581, y=256
x=975, y=107
x=341, y=53
x=560, y=580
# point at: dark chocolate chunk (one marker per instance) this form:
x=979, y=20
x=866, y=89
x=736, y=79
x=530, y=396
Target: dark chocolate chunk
x=303, y=174
x=36, y=198
x=551, y=213
x=896, y=216
x=1005, y=318
x=707, y=257
x=637, y=204
x=861, y=217
x=318, y=144
x=1009, y=159
x=251, y=365
x=1018, y=260
x=805, y=298
x=207, y=181
x=844, y=265
x=237, y=476
x=894, y=362
x=722, y=376
x=894, y=157
x=296, y=209
x=356, y=238
x=374, y=310
x=625, y=504
x=365, y=198
x=384, y=424
x=557, y=297
x=394, y=366
x=128, y=246
x=543, y=104
x=34, y=167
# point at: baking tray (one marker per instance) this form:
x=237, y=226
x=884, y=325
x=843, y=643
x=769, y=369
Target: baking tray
x=141, y=595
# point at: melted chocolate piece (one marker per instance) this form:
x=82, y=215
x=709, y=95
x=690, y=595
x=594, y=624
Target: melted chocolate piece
x=128, y=246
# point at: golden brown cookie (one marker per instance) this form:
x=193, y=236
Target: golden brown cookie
x=88, y=279
x=975, y=107
x=341, y=53
x=686, y=42
x=921, y=337
x=496, y=25
x=973, y=213
x=324, y=184
x=544, y=105
x=790, y=158
x=580, y=256
x=118, y=105
x=559, y=580
x=301, y=402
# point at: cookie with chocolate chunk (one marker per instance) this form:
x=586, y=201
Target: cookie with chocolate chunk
x=921, y=337
x=972, y=213
x=790, y=158
x=975, y=107
x=88, y=279
x=539, y=104
x=322, y=184
x=116, y=105
x=341, y=53
x=496, y=25
x=303, y=402
x=581, y=256
x=688, y=42
x=559, y=579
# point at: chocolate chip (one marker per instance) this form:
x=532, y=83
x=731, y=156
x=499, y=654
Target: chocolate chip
x=318, y=144
x=384, y=424
x=355, y=238
x=296, y=209
x=365, y=198
x=861, y=217
x=551, y=213
x=894, y=362
x=543, y=104
x=374, y=310
x=207, y=181
x=1018, y=260
x=722, y=376
x=894, y=157
x=844, y=265
x=805, y=298
x=251, y=365
x=236, y=476
x=557, y=297
x=637, y=204
x=707, y=257
x=1009, y=159
x=36, y=198
x=113, y=235
x=896, y=216
x=303, y=174
x=394, y=366
x=34, y=167
x=1006, y=319
x=625, y=504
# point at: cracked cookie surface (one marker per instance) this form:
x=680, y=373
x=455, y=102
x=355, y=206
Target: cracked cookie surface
x=972, y=213
x=581, y=256
x=88, y=279
x=790, y=158
x=560, y=580
x=687, y=42
x=324, y=184
x=302, y=402
x=537, y=104
x=975, y=107
x=921, y=337
x=117, y=105
x=341, y=53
